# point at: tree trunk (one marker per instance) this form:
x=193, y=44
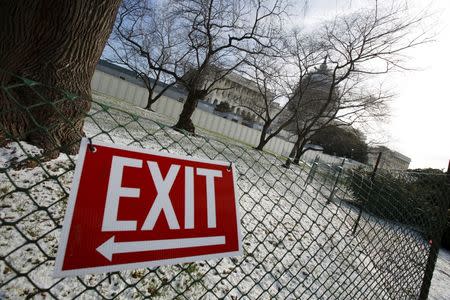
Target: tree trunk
x=299, y=152
x=294, y=150
x=150, y=101
x=273, y=134
x=262, y=140
x=56, y=43
x=184, y=121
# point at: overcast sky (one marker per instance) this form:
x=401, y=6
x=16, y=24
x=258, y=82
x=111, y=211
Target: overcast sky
x=420, y=122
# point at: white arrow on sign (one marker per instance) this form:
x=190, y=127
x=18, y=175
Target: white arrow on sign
x=110, y=247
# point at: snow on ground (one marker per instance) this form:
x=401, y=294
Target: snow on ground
x=440, y=284
x=399, y=253
x=296, y=245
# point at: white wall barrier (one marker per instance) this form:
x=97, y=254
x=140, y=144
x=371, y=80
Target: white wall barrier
x=136, y=95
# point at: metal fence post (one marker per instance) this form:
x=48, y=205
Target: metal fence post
x=312, y=171
x=341, y=168
x=372, y=177
x=435, y=243
x=428, y=274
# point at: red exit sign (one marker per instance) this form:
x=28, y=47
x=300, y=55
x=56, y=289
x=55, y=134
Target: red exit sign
x=132, y=208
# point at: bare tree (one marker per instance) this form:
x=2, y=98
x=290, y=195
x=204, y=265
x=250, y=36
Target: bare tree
x=319, y=103
x=221, y=34
x=357, y=47
x=145, y=40
x=277, y=78
x=195, y=43
x=57, y=43
x=268, y=76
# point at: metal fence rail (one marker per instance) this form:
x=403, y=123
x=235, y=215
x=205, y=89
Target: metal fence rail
x=297, y=223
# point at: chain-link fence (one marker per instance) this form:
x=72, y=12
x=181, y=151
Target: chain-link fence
x=311, y=231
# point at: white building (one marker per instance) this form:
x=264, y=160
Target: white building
x=238, y=91
x=390, y=159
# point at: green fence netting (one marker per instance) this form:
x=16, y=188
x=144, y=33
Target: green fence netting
x=311, y=231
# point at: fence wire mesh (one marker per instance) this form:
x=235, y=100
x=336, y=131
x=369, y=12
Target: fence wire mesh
x=311, y=231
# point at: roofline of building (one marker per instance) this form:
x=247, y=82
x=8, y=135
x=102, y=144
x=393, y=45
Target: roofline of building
x=106, y=66
x=398, y=154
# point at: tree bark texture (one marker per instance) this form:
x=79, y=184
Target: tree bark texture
x=150, y=101
x=300, y=150
x=184, y=121
x=56, y=43
x=294, y=151
x=262, y=140
x=148, y=86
